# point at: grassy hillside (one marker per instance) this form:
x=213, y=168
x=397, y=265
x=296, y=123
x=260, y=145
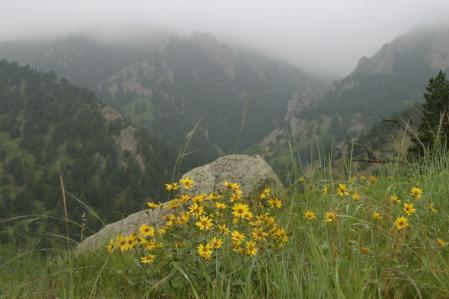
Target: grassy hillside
x=364, y=252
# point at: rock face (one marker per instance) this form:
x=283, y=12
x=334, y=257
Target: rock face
x=432, y=42
x=251, y=172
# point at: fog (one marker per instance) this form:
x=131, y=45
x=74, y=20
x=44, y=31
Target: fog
x=321, y=36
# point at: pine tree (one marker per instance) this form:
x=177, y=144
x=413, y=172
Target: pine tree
x=435, y=122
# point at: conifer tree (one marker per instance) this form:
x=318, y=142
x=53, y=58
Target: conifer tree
x=435, y=122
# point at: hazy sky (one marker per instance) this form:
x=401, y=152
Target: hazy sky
x=318, y=35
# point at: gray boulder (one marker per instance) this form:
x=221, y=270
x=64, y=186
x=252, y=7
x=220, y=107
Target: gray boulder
x=251, y=172
x=125, y=226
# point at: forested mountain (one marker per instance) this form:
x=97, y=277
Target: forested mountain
x=49, y=127
x=241, y=101
x=385, y=84
x=168, y=84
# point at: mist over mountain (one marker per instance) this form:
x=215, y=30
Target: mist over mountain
x=237, y=100
x=170, y=84
x=389, y=82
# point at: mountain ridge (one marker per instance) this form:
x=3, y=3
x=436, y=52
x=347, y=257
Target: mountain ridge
x=173, y=83
x=390, y=81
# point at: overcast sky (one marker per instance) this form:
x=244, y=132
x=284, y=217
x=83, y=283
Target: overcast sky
x=317, y=35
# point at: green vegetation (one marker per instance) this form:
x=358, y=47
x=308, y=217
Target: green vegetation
x=359, y=254
x=389, y=83
x=168, y=87
x=50, y=128
x=435, y=123
x=337, y=233
x=236, y=105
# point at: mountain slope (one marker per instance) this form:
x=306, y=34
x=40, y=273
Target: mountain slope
x=387, y=83
x=170, y=84
x=50, y=127
x=81, y=58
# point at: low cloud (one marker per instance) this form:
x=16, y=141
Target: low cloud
x=326, y=36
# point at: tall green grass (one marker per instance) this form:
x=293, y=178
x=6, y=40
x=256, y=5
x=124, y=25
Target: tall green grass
x=321, y=260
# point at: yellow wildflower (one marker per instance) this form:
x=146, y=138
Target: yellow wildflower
x=409, y=209
x=325, y=190
x=416, y=193
x=130, y=242
x=222, y=228
x=275, y=202
x=183, y=218
x=213, y=196
x=342, y=190
x=199, y=198
x=171, y=186
x=395, y=199
x=122, y=243
x=186, y=183
x=356, y=196
x=150, y=245
x=269, y=220
x=236, y=195
x=140, y=240
x=372, y=179
x=174, y=204
x=401, y=223
x=432, y=208
x=220, y=205
x=147, y=230
x=237, y=237
x=330, y=216
x=152, y=205
x=256, y=222
x=196, y=210
x=251, y=248
x=148, y=259
x=249, y=216
x=265, y=193
x=309, y=215
x=232, y=186
x=240, y=210
x=441, y=242
x=205, y=251
x=204, y=223
x=259, y=235
x=216, y=243
x=162, y=231
x=237, y=249
x=377, y=216
x=184, y=198
x=280, y=234
x=170, y=220
x=111, y=245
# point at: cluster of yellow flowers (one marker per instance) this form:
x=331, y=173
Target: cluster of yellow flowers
x=351, y=191
x=210, y=222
